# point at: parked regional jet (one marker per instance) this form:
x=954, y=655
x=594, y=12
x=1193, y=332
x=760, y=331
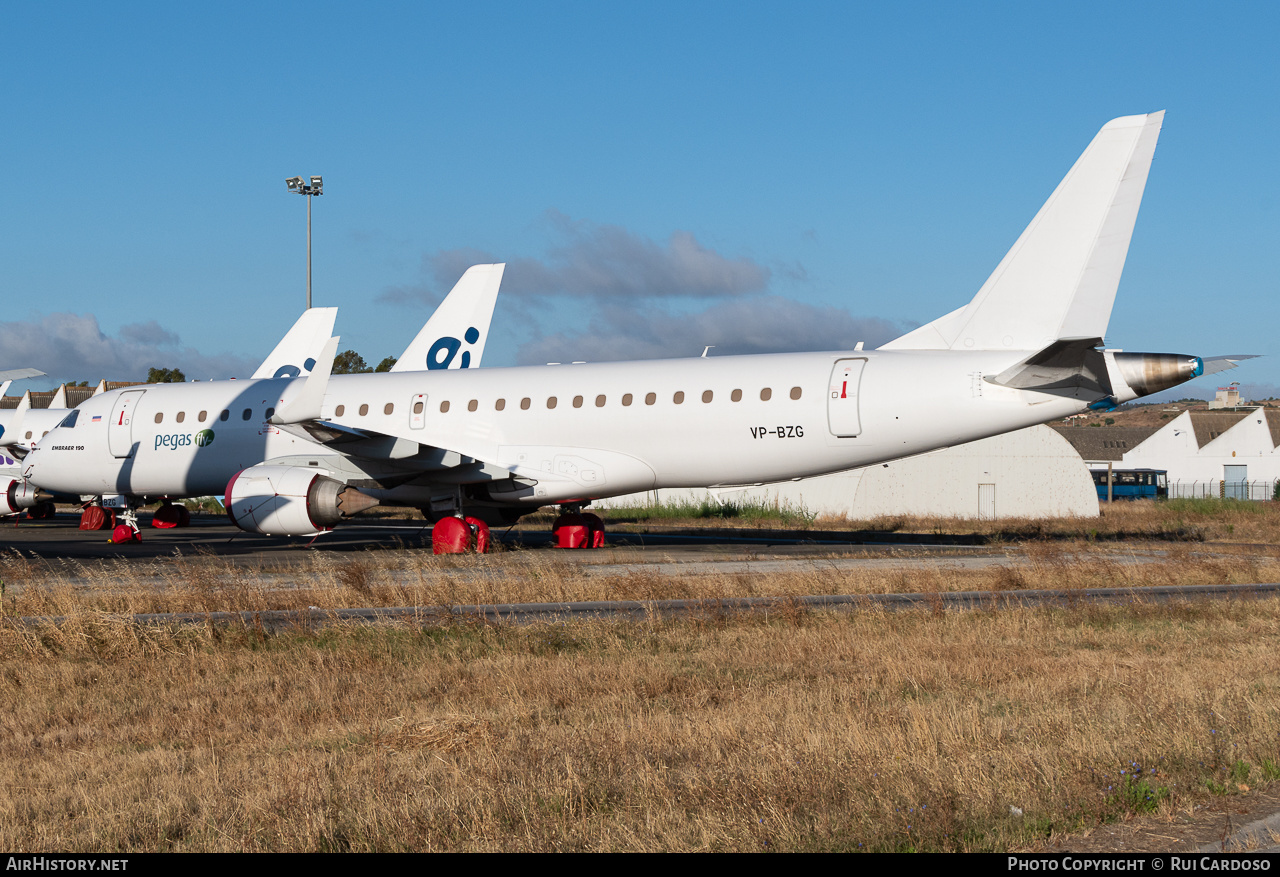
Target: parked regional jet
x=298, y=456
x=459, y=325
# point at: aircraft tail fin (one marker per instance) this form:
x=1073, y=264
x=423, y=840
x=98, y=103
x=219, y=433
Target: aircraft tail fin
x=296, y=354
x=455, y=335
x=1059, y=281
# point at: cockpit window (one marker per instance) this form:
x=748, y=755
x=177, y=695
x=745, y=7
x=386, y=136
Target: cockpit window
x=69, y=421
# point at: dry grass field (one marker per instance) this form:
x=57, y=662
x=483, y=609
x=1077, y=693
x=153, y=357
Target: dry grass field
x=798, y=731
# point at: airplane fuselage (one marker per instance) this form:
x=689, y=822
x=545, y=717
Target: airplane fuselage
x=567, y=432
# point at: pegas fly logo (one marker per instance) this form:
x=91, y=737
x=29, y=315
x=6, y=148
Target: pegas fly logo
x=288, y=371
x=173, y=441
x=445, y=349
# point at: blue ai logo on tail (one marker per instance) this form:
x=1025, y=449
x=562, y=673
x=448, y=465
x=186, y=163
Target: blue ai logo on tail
x=292, y=371
x=445, y=349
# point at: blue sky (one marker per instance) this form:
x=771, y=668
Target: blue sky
x=659, y=177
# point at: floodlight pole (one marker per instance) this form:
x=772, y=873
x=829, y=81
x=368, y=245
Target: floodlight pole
x=308, y=251
x=316, y=187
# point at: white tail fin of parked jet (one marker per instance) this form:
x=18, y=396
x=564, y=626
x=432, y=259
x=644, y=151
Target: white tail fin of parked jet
x=1059, y=281
x=455, y=335
x=295, y=355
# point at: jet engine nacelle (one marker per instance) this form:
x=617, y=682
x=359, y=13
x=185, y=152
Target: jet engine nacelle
x=290, y=500
x=19, y=494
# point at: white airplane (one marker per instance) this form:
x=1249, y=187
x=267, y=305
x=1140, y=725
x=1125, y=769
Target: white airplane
x=298, y=456
x=466, y=311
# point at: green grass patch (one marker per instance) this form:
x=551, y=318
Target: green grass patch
x=747, y=510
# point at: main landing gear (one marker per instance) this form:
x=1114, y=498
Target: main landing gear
x=170, y=515
x=95, y=517
x=42, y=511
x=578, y=529
x=460, y=535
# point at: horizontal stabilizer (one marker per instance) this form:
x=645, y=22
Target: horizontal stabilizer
x=1059, y=280
x=17, y=374
x=1214, y=364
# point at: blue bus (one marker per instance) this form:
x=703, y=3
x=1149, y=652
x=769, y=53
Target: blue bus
x=1133, y=483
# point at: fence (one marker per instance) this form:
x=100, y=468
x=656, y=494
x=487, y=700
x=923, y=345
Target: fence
x=1262, y=491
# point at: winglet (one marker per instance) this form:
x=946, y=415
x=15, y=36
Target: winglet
x=298, y=351
x=12, y=436
x=455, y=335
x=1059, y=281
x=308, y=400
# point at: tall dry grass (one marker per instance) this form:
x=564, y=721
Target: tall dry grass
x=806, y=731
x=929, y=730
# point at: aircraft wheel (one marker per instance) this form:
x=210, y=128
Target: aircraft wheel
x=571, y=531
x=450, y=536
x=43, y=511
x=94, y=517
x=595, y=530
x=124, y=533
x=166, y=517
x=480, y=530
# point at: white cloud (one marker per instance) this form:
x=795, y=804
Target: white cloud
x=603, y=262
x=74, y=347
x=759, y=324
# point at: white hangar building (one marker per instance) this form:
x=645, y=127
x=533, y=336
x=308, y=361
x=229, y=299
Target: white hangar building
x=1029, y=473
x=1206, y=453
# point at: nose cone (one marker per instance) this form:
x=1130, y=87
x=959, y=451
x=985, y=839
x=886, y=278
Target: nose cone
x=1148, y=373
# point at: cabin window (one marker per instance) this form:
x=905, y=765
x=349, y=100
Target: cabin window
x=270, y=411
x=795, y=392
x=28, y=433
x=159, y=417
x=182, y=415
x=524, y=404
x=364, y=409
x=707, y=396
x=248, y=414
x=388, y=408
x=444, y=407
x=473, y=405
x=577, y=401
x=626, y=400
x=225, y=415
x=337, y=412
x=736, y=396
x=600, y=401
x=499, y=404
x=650, y=398
x=766, y=394
x=417, y=407
x=202, y=415
x=551, y=401
x=678, y=397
